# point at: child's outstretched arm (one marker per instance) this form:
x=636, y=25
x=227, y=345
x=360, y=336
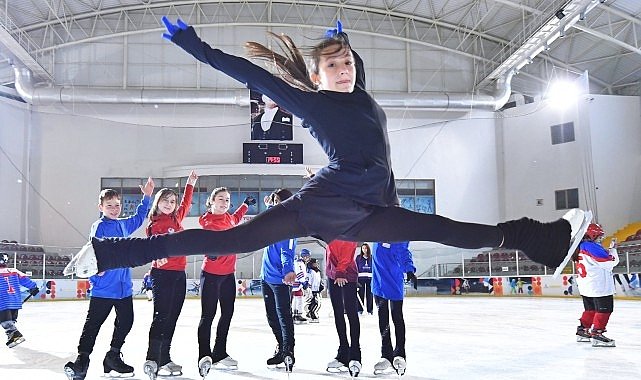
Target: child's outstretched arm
x=253, y=76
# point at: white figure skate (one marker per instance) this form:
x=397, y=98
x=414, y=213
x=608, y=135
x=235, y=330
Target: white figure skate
x=382, y=367
x=399, y=365
x=83, y=264
x=579, y=221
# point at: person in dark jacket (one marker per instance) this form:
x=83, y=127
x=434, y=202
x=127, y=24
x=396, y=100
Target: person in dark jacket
x=277, y=276
x=111, y=289
x=364, y=266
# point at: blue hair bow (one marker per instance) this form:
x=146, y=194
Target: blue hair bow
x=331, y=33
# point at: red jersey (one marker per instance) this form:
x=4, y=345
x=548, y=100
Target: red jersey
x=339, y=259
x=168, y=224
x=221, y=222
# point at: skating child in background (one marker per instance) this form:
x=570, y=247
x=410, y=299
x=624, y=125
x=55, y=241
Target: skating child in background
x=111, y=289
x=147, y=286
x=594, y=277
x=313, y=301
x=300, y=286
x=168, y=278
x=10, y=298
x=277, y=276
x=342, y=278
x=390, y=263
x=364, y=265
x=218, y=283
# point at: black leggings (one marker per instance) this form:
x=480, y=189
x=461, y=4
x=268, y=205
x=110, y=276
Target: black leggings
x=214, y=289
x=344, y=302
x=278, y=223
x=396, y=307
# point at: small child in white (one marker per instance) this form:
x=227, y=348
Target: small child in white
x=594, y=277
x=10, y=299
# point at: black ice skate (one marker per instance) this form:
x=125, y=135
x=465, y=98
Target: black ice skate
x=551, y=244
x=77, y=370
x=600, y=340
x=113, y=362
x=299, y=319
x=15, y=339
x=583, y=334
x=275, y=360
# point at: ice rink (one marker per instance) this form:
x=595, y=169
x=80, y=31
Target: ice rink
x=465, y=337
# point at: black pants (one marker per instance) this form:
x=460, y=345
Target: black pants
x=278, y=307
x=344, y=303
x=603, y=304
x=99, y=309
x=365, y=294
x=169, y=296
x=384, y=307
x=9, y=315
x=278, y=223
x=215, y=289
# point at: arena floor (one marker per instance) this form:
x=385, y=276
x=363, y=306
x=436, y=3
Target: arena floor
x=466, y=337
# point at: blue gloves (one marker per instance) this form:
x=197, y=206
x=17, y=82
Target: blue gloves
x=331, y=33
x=171, y=28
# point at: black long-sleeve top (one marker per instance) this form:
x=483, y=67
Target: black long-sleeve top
x=350, y=127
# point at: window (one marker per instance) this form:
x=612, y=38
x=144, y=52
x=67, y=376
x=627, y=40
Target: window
x=414, y=194
x=567, y=199
x=562, y=133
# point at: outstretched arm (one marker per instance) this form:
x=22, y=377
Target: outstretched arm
x=253, y=76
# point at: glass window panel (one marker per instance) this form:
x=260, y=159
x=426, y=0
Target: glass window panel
x=132, y=182
x=568, y=132
x=231, y=182
x=250, y=182
x=560, y=199
x=426, y=204
x=111, y=183
x=573, y=198
x=270, y=183
x=407, y=202
x=293, y=183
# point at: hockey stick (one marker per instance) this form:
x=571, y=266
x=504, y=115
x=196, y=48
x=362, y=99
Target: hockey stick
x=27, y=299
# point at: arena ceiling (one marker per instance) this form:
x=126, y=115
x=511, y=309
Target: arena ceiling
x=488, y=36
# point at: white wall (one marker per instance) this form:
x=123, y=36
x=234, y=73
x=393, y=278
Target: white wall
x=604, y=162
x=14, y=137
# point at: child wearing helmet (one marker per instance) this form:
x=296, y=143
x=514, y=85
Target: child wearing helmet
x=10, y=299
x=594, y=277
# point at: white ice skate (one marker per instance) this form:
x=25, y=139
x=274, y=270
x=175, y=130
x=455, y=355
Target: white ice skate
x=289, y=364
x=83, y=264
x=170, y=369
x=382, y=367
x=354, y=368
x=579, y=220
x=399, y=365
x=336, y=366
x=150, y=368
x=227, y=363
x=204, y=365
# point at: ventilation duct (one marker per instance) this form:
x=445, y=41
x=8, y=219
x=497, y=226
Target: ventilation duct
x=62, y=95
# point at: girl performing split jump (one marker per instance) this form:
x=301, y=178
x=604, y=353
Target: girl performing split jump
x=353, y=198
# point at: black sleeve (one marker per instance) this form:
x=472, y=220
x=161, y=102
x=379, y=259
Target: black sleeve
x=360, y=71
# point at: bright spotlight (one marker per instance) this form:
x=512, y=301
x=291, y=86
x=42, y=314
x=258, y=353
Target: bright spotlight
x=563, y=93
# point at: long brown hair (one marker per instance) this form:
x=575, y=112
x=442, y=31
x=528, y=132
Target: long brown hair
x=291, y=64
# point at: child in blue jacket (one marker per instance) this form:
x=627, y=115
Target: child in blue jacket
x=277, y=275
x=111, y=289
x=390, y=263
x=10, y=299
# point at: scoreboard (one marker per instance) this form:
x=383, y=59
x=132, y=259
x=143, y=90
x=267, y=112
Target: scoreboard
x=272, y=153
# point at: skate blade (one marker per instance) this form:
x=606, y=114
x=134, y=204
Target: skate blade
x=582, y=339
x=222, y=367
x=385, y=371
x=15, y=342
x=166, y=373
x=116, y=375
x=578, y=230
x=337, y=369
x=83, y=264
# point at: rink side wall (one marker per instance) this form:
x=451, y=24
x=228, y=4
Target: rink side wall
x=538, y=286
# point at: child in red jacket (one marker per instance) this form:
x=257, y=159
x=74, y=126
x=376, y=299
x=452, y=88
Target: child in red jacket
x=218, y=284
x=168, y=278
x=342, y=280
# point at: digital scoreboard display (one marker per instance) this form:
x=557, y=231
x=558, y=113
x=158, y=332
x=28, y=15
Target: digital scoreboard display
x=272, y=153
